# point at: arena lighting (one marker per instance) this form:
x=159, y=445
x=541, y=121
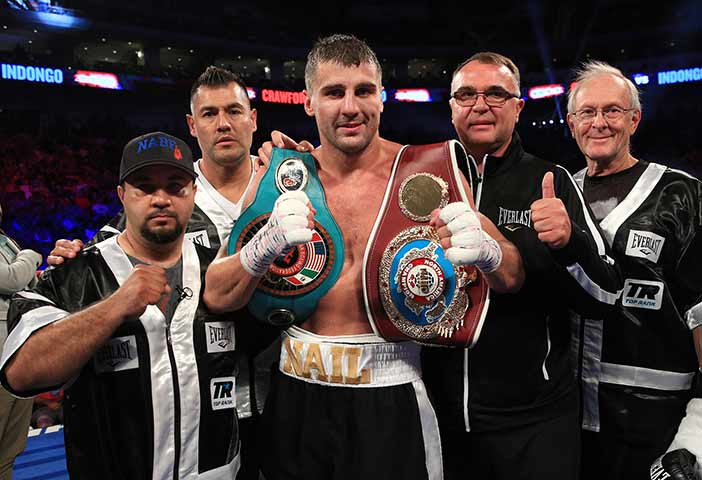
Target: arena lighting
x=640, y=78
x=28, y=73
x=412, y=95
x=683, y=75
x=283, y=96
x=89, y=78
x=61, y=20
x=546, y=91
x=251, y=93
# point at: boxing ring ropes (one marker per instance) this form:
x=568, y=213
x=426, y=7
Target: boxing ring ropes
x=44, y=458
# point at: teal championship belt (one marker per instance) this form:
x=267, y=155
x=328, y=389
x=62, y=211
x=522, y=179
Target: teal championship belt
x=297, y=279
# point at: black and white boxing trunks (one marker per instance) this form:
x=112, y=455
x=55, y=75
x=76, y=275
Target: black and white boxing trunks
x=351, y=406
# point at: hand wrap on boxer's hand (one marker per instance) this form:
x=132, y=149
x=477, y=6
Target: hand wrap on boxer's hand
x=470, y=245
x=286, y=227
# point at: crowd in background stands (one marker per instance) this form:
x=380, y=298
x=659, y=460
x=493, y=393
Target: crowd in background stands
x=54, y=189
x=64, y=187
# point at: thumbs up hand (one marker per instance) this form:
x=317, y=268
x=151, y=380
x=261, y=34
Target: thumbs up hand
x=547, y=190
x=550, y=217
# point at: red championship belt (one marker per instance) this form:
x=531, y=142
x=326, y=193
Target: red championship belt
x=412, y=292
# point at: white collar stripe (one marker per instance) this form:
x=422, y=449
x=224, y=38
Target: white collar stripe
x=599, y=241
x=161, y=374
x=642, y=189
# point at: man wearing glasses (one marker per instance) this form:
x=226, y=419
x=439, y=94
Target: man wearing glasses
x=509, y=406
x=640, y=367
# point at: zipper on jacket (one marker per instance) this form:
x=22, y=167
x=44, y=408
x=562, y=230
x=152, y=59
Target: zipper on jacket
x=176, y=403
x=548, y=351
x=481, y=176
x=466, y=381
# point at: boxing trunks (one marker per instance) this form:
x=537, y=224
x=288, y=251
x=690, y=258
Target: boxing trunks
x=351, y=406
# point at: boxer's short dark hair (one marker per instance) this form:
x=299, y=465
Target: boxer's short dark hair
x=346, y=50
x=216, y=77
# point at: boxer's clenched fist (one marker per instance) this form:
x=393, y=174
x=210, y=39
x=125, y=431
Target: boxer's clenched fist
x=463, y=239
x=290, y=224
x=146, y=285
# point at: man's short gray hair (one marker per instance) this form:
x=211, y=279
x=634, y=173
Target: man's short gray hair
x=595, y=68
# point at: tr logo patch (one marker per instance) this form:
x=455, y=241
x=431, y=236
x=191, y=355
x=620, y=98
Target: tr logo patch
x=222, y=393
x=642, y=294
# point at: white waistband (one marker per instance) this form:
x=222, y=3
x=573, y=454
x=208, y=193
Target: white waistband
x=348, y=360
x=645, y=377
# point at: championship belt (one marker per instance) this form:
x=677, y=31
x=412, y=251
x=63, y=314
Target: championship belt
x=290, y=290
x=412, y=292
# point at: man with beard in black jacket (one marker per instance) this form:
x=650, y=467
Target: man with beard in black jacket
x=123, y=329
x=223, y=121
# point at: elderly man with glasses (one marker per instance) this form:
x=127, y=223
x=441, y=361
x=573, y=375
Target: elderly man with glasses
x=508, y=408
x=640, y=368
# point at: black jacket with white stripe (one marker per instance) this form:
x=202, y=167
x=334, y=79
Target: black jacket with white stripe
x=521, y=370
x=209, y=225
x=656, y=235
x=156, y=401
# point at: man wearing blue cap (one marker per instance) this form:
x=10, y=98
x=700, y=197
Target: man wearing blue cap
x=123, y=330
x=223, y=121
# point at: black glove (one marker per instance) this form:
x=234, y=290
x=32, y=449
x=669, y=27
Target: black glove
x=676, y=465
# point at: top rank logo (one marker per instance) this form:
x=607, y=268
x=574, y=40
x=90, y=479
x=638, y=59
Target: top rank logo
x=222, y=393
x=646, y=294
x=643, y=244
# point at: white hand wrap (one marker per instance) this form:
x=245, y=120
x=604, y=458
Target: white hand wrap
x=470, y=245
x=286, y=227
x=690, y=432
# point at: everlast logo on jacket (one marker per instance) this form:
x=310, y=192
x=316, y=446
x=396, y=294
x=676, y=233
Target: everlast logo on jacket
x=514, y=217
x=117, y=354
x=219, y=337
x=643, y=244
x=200, y=238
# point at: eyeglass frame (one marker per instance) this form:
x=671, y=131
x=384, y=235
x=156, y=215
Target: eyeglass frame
x=578, y=113
x=478, y=93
